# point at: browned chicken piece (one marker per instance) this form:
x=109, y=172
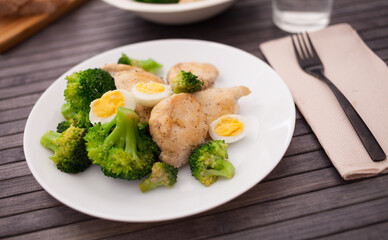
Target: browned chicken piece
x=126, y=77
x=220, y=101
x=143, y=112
x=178, y=125
x=204, y=71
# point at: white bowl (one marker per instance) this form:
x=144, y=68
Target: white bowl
x=174, y=14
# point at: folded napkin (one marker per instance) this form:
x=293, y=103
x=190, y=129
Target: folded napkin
x=360, y=75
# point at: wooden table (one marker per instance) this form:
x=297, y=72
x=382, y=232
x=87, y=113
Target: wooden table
x=303, y=198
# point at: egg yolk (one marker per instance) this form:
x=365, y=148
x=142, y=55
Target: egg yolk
x=150, y=88
x=108, y=104
x=228, y=126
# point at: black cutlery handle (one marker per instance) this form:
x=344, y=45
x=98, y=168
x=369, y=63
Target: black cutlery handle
x=368, y=140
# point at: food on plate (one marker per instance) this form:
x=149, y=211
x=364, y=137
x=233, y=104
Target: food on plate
x=149, y=94
x=230, y=128
x=82, y=88
x=178, y=125
x=207, y=73
x=185, y=82
x=123, y=148
x=220, y=101
x=126, y=76
x=210, y=161
x=148, y=65
x=162, y=174
x=70, y=155
x=128, y=121
x=62, y=126
x=104, y=109
x=143, y=112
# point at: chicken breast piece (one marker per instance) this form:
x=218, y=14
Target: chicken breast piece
x=178, y=125
x=204, y=71
x=220, y=101
x=126, y=77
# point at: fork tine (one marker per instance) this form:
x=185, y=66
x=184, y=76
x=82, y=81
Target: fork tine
x=304, y=53
x=308, y=53
x=296, y=50
x=315, y=54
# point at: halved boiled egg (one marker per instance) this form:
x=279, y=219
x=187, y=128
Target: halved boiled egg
x=230, y=128
x=149, y=94
x=104, y=109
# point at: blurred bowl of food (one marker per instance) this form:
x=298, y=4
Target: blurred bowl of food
x=182, y=12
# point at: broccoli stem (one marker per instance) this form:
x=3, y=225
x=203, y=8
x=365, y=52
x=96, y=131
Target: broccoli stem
x=67, y=111
x=227, y=171
x=125, y=135
x=148, y=184
x=48, y=138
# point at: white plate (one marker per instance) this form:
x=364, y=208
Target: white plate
x=174, y=14
x=90, y=192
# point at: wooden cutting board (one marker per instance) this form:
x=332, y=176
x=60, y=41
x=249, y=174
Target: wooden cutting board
x=15, y=29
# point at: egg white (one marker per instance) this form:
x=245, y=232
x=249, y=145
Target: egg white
x=150, y=100
x=129, y=102
x=229, y=139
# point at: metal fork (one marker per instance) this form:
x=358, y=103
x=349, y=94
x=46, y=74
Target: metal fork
x=310, y=62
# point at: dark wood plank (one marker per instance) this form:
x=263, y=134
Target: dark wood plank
x=23, y=101
x=11, y=155
x=12, y=127
x=11, y=141
x=15, y=114
x=26, y=203
x=24, y=89
x=20, y=185
x=366, y=233
x=304, y=143
x=324, y=223
x=13, y=170
x=236, y=219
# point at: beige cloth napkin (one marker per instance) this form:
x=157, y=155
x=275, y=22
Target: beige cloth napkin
x=360, y=75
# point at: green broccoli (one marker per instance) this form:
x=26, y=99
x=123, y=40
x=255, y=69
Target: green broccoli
x=70, y=154
x=121, y=148
x=148, y=65
x=209, y=161
x=62, y=126
x=162, y=174
x=158, y=1
x=82, y=88
x=186, y=82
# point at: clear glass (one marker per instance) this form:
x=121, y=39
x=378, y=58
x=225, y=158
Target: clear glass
x=301, y=15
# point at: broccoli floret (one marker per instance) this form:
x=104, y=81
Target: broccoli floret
x=158, y=1
x=209, y=161
x=120, y=148
x=148, y=65
x=162, y=174
x=82, y=88
x=70, y=154
x=186, y=82
x=62, y=126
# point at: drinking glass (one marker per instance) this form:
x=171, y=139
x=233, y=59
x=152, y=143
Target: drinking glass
x=301, y=15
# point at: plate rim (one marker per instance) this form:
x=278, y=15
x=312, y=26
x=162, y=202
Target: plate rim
x=176, y=216
x=165, y=8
